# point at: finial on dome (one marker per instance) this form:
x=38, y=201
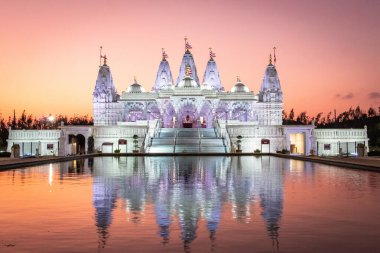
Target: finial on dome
x=104, y=57
x=164, y=55
x=100, y=56
x=134, y=79
x=238, y=79
x=187, y=45
x=212, y=54
x=274, y=55
x=104, y=60
x=270, y=59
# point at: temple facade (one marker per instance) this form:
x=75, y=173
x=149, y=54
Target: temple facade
x=189, y=115
x=188, y=102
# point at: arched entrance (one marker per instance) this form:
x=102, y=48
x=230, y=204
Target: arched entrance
x=297, y=143
x=77, y=144
x=188, y=116
x=135, y=112
x=153, y=112
x=168, y=115
x=240, y=111
x=221, y=112
x=205, y=116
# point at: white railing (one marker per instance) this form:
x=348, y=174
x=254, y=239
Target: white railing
x=157, y=128
x=224, y=133
x=340, y=133
x=228, y=138
x=34, y=134
x=217, y=128
x=146, y=141
x=148, y=137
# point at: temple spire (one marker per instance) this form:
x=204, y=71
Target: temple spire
x=274, y=55
x=270, y=90
x=187, y=60
x=238, y=79
x=104, y=92
x=164, y=77
x=211, y=78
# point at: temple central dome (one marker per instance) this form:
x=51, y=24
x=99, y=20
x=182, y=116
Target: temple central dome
x=135, y=88
x=239, y=87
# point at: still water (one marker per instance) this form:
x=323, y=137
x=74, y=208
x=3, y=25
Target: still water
x=189, y=204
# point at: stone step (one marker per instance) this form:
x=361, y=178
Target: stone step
x=161, y=149
x=186, y=149
x=186, y=140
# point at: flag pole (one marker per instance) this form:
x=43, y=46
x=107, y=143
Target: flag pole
x=100, y=57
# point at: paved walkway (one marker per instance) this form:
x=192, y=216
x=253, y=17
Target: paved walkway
x=364, y=163
x=11, y=163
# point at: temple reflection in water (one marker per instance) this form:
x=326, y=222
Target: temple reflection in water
x=189, y=189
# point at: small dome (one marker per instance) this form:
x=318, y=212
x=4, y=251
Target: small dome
x=239, y=87
x=135, y=88
x=187, y=82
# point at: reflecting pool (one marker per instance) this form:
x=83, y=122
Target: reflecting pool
x=189, y=204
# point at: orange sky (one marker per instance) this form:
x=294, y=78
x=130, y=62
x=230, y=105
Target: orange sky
x=327, y=53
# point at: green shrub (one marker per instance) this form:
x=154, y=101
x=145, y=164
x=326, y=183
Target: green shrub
x=285, y=151
x=5, y=154
x=374, y=153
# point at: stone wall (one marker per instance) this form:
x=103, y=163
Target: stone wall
x=33, y=142
x=340, y=141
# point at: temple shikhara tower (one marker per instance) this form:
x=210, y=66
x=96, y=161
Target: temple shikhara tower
x=188, y=100
x=185, y=114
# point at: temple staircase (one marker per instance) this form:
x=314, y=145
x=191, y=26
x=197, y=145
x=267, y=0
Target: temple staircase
x=187, y=140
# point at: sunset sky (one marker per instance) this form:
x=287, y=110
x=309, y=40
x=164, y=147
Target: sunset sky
x=327, y=51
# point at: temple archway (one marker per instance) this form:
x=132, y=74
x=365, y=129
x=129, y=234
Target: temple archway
x=221, y=112
x=168, y=115
x=153, y=112
x=77, y=144
x=135, y=111
x=188, y=116
x=240, y=112
x=205, y=115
